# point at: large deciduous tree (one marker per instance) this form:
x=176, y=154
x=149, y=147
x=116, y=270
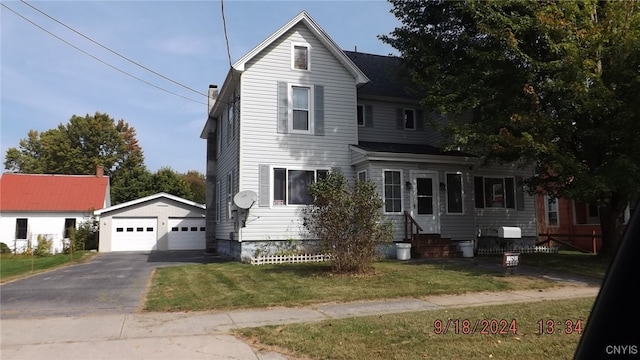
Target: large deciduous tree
x=76, y=148
x=555, y=84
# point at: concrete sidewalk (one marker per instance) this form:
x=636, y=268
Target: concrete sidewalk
x=205, y=335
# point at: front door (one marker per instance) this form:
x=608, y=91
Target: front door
x=424, y=201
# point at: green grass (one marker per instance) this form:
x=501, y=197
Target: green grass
x=16, y=266
x=564, y=261
x=570, y=262
x=413, y=335
x=235, y=285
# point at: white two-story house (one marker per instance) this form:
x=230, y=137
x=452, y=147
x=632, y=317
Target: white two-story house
x=297, y=106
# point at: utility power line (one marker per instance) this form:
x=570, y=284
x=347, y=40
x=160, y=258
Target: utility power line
x=98, y=59
x=110, y=50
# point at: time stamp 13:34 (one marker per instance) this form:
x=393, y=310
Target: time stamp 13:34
x=504, y=326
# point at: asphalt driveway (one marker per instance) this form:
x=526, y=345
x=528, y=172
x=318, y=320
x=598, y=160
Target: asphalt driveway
x=107, y=284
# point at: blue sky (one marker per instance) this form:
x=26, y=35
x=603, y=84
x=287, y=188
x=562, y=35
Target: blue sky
x=43, y=81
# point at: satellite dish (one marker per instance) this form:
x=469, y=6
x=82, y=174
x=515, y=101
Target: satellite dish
x=245, y=199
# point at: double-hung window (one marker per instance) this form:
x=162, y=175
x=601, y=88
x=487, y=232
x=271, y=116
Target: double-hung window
x=229, y=194
x=291, y=186
x=392, y=191
x=21, y=228
x=68, y=223
x=360, y=115
x=409, y=119
x=454, y=193
x=300, y=109
x=551, y=211
x=495, y=192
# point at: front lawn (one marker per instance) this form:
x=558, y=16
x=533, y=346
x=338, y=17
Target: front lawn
x=16, y=266
x=418, y=335
x=235, y=285
x=569, y=262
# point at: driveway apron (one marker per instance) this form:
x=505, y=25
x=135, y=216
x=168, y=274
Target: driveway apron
x=109, y=283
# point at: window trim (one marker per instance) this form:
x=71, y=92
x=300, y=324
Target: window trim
x=504, y=186
x=587, y=217
x=405, y=119
x=26, y=229
x=218, y=200
x=290, y=108
x=364, y=115
x=286, y=179
x=384, y=208
x=546, y=211
x=293, y=55
x=229, y=193
x=446, y=179
x=366, y=175
x=65, y=232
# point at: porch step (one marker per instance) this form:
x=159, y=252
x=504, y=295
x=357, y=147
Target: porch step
x=432, y=246
x=436, y=251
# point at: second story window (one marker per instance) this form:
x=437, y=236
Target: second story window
x=300, y=57
x=360, y=115
x=300, y=108
x=409, y=119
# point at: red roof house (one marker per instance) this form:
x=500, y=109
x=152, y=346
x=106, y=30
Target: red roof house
x=47, y=205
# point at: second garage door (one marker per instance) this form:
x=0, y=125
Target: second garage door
x=187, y=234
x=134, y=234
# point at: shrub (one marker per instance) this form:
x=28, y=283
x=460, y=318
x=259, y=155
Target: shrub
x=43, y=248
x=346, y=221
x=4, y=249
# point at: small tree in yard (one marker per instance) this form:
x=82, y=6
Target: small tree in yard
x=347, y=222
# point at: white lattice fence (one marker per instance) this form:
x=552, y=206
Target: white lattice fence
x=288, y=259
x=522, y=250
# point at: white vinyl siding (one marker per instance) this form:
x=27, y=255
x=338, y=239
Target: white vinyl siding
x=384, y=122
x=265, y=147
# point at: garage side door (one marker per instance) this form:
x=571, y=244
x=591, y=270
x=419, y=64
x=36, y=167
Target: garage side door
x=187, y=234
x=134, y=234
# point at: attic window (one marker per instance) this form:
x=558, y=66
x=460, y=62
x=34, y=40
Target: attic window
x=300, y=57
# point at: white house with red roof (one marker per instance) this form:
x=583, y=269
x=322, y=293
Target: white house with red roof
x=47, y=205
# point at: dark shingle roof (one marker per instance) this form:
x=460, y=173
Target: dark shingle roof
x=387, y=75
x=422, y=149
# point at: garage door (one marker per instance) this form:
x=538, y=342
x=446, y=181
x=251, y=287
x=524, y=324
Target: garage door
x=186, y=234
x=134, y=234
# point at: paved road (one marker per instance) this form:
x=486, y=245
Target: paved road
x=109, y=283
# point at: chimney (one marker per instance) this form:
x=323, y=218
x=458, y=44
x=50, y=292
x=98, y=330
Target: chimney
x=99, y=171
x=213, y=95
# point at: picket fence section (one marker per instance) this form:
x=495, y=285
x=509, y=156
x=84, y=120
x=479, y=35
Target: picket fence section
x=288, y=259
x=523, y=250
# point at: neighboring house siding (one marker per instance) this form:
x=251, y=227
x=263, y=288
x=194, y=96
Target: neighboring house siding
x=262, y=144
x=385, y=127
x=228, y=164
x=47, y=224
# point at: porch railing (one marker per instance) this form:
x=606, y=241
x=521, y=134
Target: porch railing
x=410, y=225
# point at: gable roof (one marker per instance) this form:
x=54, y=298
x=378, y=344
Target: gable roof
x=238, y=67
x=388, y=77
x=150, y=198
x=305, y=19
x=53, y=193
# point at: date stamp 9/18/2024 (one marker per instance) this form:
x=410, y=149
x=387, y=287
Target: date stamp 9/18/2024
x=504, y=326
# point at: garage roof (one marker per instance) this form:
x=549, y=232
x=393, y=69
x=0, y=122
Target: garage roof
x=45, y=192
x=150, y=198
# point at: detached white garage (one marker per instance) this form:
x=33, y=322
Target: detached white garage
x=157, y=222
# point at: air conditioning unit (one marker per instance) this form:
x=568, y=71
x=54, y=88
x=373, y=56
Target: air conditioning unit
x=509, y=232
